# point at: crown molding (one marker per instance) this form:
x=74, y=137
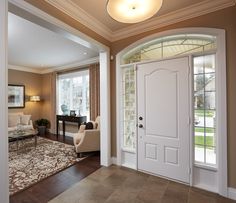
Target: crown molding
x=53, y=69
x=195, y=10
x=177, y=16
x=77, y=13
x=25, y=69
x=73, y=65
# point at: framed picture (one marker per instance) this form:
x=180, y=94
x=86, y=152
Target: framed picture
x=72, y=113
x=16, y=96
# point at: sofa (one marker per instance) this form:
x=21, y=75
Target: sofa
x=15, y=119
x=87, y=140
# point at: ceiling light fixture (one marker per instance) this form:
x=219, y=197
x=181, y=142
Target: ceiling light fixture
x=132, y=11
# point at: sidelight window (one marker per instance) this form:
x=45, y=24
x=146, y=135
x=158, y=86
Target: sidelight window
x=129, y=108
x=205, y=109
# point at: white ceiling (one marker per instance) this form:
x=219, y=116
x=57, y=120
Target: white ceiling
x=33, y=46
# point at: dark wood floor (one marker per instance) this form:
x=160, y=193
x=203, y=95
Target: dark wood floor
x=50, y=187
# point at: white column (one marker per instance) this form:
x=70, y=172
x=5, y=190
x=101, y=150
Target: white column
x=4, y=189
x=105, y=110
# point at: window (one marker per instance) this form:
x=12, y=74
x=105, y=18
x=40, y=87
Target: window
x=73, y=93
x=171, y=46
x=205, y=110
x=129, y=108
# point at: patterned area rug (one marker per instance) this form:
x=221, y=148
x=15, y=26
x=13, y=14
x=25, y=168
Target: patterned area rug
x=29, y=165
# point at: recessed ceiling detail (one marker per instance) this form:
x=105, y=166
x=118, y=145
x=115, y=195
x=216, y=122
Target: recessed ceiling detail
x=171, y=12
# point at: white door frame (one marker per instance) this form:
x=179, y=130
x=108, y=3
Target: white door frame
x=4, y=189
x=67, y=31
x=220, y=97
x=104, y=85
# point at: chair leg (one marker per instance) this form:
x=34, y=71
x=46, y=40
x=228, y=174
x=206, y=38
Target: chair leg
x=79, y=155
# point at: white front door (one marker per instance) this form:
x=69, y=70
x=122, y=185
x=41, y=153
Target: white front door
x=163, y=118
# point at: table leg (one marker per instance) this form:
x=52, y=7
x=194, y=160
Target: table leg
x=64, y=126
x=35, y=141
x=57, y=127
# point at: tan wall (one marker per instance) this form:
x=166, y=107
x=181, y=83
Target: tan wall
x=224, y=19
x=32, y=84
x=46, y=95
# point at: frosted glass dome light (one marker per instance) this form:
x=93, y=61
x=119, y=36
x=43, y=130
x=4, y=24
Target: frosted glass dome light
x=133, y=11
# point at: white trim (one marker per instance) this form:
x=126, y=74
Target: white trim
x=4, y=175
x=53, y=69
x=191, y=140
x=180, y=15
x=105, y=108
x=74, y=11
x=195, y=10
x=205, y=187
x=73, y=65
x=114, y=160
x=221, y=96
x=25, y=69
x=221, y=118
x=118, y=108
x=232, y=193
x=67, y=31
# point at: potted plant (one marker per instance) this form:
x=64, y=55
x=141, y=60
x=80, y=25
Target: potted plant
x=42, y=124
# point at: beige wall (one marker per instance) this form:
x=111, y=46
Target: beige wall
x=33, y=84
x=223, y=19
x=46, y=94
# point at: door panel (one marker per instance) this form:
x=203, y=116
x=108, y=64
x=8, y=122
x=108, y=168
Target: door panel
x=163, y=102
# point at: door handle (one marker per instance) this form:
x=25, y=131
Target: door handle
x=140, y=126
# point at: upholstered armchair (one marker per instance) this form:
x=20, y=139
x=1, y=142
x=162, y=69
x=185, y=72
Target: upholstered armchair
x=88, y=140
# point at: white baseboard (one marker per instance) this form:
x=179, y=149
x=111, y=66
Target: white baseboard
x=232, y=193
x=114, y=160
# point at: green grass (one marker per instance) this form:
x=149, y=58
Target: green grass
x=208, y=113
x=201, y=130
x=199, y=140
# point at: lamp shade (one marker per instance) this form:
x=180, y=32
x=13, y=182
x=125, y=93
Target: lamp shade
x=35, y=98
x=133, y=11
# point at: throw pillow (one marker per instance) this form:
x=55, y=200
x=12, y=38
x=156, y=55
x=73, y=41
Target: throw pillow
x=89, y=125
x=25, y=119
x=13, y=120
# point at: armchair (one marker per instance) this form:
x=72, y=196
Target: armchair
x=88, y=140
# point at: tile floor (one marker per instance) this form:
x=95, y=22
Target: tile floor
x=116, y=184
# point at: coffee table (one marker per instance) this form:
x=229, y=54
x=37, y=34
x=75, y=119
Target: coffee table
x=21, y=136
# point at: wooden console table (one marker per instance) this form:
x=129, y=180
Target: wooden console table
x=74, y=119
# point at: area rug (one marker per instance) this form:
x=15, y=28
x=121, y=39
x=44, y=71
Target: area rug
x=29, y=165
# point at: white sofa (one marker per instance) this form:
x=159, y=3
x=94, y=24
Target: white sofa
x=15, y=119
